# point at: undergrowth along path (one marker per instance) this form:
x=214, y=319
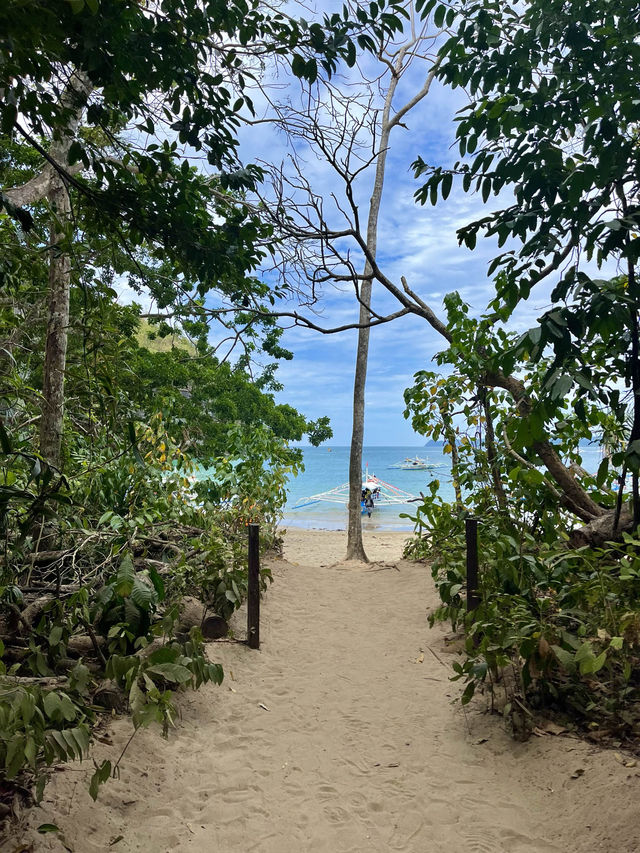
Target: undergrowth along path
x=340, y=736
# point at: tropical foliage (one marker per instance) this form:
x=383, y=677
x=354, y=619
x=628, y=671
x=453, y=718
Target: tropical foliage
x=129, y=472
x=557, y=622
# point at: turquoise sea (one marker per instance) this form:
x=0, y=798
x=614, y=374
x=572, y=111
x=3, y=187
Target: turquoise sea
x=328, y=467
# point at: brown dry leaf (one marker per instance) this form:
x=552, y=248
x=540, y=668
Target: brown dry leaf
x=544, y=648
x=551, y=728
x=624, y=760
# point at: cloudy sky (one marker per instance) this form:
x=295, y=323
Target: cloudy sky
x=416, y=242
x=413, y=241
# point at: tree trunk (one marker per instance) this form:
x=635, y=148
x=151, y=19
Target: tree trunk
x=355, y=547
x=455, y=469
x=50, y=184
x=55, y=358
x=576, y=498
x=492, y=454
x=635, y=385
x=602, y=529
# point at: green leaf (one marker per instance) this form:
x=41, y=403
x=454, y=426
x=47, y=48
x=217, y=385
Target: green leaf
x=468, y=692
x=447, y=182
x=48, y=827
x=298, y=65
x=55, y=635
x=594, y=665
x=58, y=744
x=52, y=705
x=142, y=595
x=438, y=20
x=567, y=659
x=158, y=583
x=5, y=442
x=100, y=776
x=75, y=152
x=165, y=654
x=67, y=708
x=584, y=653
x=15, y=756
x=31, y=751
x=134, y=444
x=603, y=470
x=125, y=577
x=171, y=672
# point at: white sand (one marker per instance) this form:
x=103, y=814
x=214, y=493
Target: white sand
x=361, y=748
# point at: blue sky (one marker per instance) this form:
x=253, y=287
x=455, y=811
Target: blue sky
x=414, y=241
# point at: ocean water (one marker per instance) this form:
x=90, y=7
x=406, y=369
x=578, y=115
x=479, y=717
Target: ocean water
x=328, y=467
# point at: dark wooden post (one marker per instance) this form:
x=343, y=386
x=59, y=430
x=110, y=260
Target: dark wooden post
x=471, y=535
x=253, y=592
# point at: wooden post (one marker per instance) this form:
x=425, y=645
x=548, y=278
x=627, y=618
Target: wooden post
x=253, y=592
x=471, y=535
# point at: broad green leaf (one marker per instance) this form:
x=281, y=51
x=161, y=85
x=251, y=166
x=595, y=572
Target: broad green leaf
x=171, y=672
x=125, y=577
x=102, y=773
x=52, y=705
x=55, y=635
x=142, y=595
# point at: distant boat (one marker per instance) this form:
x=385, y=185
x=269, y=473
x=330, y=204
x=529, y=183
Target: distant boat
x=415, y=463
x=375, y=492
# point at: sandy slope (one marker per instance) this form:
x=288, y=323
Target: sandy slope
x=361, y=748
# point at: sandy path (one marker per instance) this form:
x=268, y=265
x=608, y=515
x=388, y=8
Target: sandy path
x=360, y=750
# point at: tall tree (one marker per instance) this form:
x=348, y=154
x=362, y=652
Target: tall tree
x=169, y=73
x=398, y=61
x=349, y=129
x=562, y=137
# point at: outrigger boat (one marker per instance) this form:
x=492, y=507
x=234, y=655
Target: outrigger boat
x=375, y=492
x=415, y=463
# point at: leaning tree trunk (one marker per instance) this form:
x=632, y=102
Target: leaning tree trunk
x=574, y=497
